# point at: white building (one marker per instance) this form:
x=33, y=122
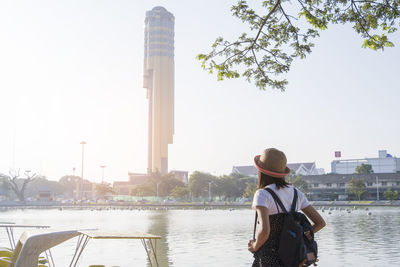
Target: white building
x=306, y=168
x=385, y=163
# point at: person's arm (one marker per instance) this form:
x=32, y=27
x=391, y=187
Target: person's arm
x=263, y=229
x=315, y=217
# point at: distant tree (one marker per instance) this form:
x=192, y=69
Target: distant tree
x=4, y=187
x=364, y=169
x=158, y=184
x=104, y=189
x=283, y=30
x=41, y=183
x=167, y=184
x=251, y=188
x=298, y=182
x=357, y=187
x=199, y=183
x=143, y=190
x=164, y=183
x=229, y=187
x=244, y=181
x=17, y=184
x=391, y=195
x=180, y=192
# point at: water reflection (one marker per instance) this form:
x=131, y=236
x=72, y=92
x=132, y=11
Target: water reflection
x=198, y=238
x=158, y=225
x=361, y=239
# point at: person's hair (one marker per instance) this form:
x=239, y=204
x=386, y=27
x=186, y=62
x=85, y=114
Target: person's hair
x=264, y=180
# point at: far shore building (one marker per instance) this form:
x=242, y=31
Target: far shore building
x=87, y=190
x=336, y=186
x=384, y=163
x=307, y=168
x=159, y=80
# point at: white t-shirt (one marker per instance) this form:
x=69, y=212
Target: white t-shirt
x=264, y=198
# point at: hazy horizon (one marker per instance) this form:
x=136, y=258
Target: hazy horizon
x=72, y=71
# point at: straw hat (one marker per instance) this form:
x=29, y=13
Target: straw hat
x=272, y=162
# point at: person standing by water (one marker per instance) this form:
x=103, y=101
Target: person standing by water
x=272, y=171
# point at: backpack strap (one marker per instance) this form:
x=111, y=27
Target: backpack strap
x=255, y=226
x=277, y=208
x=276, y=199
x=294, y=202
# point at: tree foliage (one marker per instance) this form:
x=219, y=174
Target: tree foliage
x=157, y=184
x=225, y=187
x=199, y=183
x=17, y=183
x=104, y=189
x=357, y=187
x=285, y=30
x=250, y=190
x=298, y=182
x=180, y=192
x=41, y=183
x=364, y=169
x=4, y=187
x=143, y=190
x=391, y=195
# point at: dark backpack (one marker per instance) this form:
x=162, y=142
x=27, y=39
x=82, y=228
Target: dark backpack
x=294, y=246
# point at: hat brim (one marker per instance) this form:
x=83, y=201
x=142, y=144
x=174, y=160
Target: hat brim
x=268, y=172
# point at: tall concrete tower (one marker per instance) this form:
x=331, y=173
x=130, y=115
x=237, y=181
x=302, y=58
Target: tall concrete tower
x=159, y=81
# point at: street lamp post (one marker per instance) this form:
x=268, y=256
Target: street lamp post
x=377, y=189
x=157, y=188
x=83, y=143
x=102, y=173
x=209, y=191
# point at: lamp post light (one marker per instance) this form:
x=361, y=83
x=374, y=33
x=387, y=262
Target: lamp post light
x=102, y=173
x=377, y=188
x=83, y=143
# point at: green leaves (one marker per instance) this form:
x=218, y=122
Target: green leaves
x=276, y=37
x=376, y=42
x=391, y=195
x=357, y=187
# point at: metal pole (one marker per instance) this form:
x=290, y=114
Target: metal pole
x=83, y=143
x=157, y=188
x=102, y=173
x=377, y=189
x=150, y=126
x=76, y=186
x=209, y=191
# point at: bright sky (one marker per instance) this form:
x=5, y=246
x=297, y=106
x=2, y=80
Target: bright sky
x=72, y=71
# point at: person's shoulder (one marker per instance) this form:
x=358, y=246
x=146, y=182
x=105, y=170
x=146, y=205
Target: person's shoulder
x=261, y=192
x=298, y=190
x=300, y=193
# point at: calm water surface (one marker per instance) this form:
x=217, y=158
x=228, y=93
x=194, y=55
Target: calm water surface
x=214, y=237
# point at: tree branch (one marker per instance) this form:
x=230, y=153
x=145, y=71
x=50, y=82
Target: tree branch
x=361, y=24
x=278, y=2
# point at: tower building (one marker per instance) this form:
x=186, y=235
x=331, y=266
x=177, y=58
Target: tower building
x=159, y=81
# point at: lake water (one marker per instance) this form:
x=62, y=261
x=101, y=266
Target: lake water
x=216, y=237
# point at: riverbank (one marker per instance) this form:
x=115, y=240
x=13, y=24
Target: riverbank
x=177, y=205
